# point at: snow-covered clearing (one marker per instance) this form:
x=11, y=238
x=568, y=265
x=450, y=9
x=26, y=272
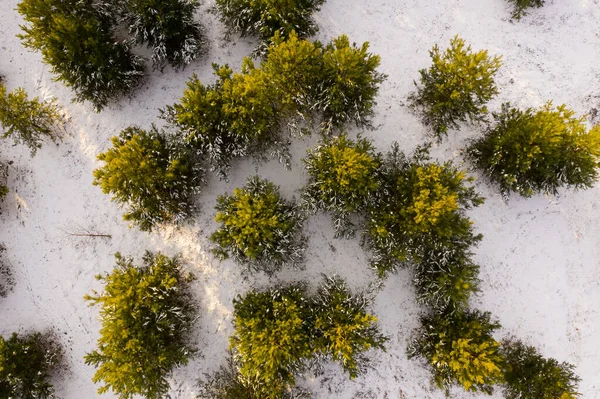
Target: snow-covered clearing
x=539, y=257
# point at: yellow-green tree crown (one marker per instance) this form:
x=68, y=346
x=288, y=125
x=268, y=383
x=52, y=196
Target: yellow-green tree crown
x=460, y=349
x=258, y=227
x=456, y=87
x=538, y=151
x=146, y=313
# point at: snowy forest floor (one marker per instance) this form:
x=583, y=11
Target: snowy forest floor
x=539, y=257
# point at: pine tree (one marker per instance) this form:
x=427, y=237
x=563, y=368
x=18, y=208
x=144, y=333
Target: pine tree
x=521, y=6
x=350, y=84
x=146, y=314
x=445, y=277
x=531, y=152
x=265, y=18
x=259, y=228
x=295, y=68
x=460, y=349
x=76, y=41
x=273, y=336
x=456, y=87
x=243, y=113
x=151, y=175
x=531, y=376
x=28, y=121
x=344, y=329
x=228, y=383
x=342, y=177
x=26, y=364
x=168, y=28
x=234, y=117
x=419, y=204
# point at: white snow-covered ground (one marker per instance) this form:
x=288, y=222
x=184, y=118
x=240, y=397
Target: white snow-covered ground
x=539, y=256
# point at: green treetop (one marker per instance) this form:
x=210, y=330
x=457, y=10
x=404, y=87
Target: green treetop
x=28, y=121
x=531, y=376
x=168, y=28
x=146, y=314
x=419, y=204
x=150, y=175
x=531, y=152
x=456, y=87
x=342, y=177
x=76, y=41
x=460, y=349
x=27, y=362
x=259, y=228
x=265, y=18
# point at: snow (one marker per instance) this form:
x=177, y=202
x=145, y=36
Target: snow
x=539, y=256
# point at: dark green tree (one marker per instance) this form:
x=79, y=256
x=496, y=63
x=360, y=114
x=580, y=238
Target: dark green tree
x=342, y=178
x=228, y=383
x=151, y=175
x=520, y=7
x=531, y=152
x=445, y=276
x=76, y=41
x=274, y=336
x=344, y=329
x=349, y=85
x=27, y=362
x=28, y=121
x=460, y=349
x=259, y=228
x=146, y=314
x=265, y=18
x=456, y=87
x=531, y=376
x=168, y=28
x=419, y=204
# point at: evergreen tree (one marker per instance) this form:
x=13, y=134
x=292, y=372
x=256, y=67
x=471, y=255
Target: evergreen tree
x=150, y=175
x=228, y=383
x=459, y=348
x=445, y=277
x=456, y=87
x=521, y=6
x=234, y=117
x=529, y=151
x=295, y=68
x=26, y=364
x=76, y=41
x=344, y=329
x=265, y=18
x=259, y=228
x=274, y=336
x=418, y=204
x=28, y=121
x=243, y=113
x=168, y=27
x=531, y=376
x=350, y=83
x=146, y=313
x=342, y=177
